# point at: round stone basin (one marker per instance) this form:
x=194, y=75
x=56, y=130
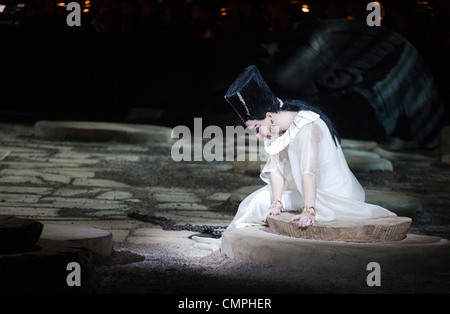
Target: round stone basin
x=385, y=229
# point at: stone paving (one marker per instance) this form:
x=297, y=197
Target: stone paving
x=64, y=182
x=98, y=183
x=70, y=181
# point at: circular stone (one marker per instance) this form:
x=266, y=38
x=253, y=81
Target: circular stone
x=359, y=153
x=365, y=163
x=251, y=167
x=238, y=195
x=103, y=131
x=401, y=204
x=358, y=144
x=385, y=229
x=97, y=240
x=17, y=234
x=45, y=269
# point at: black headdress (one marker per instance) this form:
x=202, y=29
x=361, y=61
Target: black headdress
x=250, y=95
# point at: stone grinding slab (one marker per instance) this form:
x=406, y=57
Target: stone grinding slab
x=385, y=229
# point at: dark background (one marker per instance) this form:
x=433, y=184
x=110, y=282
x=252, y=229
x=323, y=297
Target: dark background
x=166, y=61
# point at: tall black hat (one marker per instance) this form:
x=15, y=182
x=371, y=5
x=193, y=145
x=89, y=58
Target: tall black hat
x=250, y=95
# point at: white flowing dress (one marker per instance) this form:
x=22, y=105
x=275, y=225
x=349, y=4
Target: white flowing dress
x=308, y=148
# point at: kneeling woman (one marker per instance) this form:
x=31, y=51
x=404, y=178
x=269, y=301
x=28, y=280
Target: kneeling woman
x=306, y=170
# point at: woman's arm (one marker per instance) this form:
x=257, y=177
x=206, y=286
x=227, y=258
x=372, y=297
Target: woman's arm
x=308, y=167
x=307, y=217
x=309, y=190
x=277, y=185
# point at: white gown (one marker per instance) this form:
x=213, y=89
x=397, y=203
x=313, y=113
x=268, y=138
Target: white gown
x=308, y=148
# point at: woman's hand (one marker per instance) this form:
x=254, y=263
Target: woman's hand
x=270, y=211
x=304, y=220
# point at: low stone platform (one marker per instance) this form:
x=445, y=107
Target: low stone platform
x=384, y=229
x=96, y=240
x=45, y=269
x=18, y=234
x=103, y=131
x=35, y=257
x=415, y=254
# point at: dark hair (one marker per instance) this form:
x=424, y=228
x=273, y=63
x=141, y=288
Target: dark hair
x=298, y=105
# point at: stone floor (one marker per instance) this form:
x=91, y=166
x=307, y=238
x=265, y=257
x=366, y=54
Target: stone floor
x=98, y=183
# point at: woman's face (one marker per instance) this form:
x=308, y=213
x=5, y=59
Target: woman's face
x=279, y=121
x=260, y=127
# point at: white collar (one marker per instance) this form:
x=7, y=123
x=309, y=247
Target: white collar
x=302, y=118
